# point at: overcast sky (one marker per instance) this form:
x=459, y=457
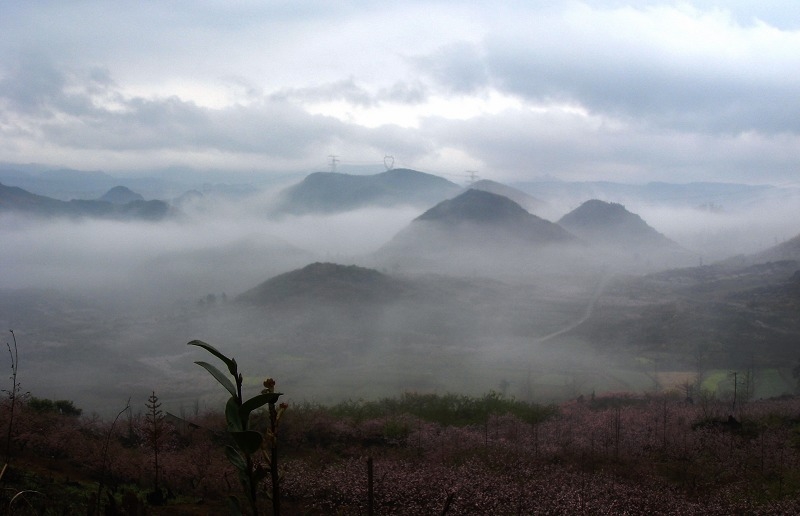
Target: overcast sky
x=515, y=90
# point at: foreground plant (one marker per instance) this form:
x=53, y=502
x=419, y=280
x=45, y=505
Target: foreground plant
x=247, y=442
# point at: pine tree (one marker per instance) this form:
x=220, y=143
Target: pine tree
x=154, y=431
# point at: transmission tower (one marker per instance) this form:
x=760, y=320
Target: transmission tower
x=334, y=161
x=473, y=176
x=388, y=162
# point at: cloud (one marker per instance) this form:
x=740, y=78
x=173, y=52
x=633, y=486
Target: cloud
x=346, y=90
x=86, y=111
x=672, y=67
x=572, y=144
x=581, y=89
x=458, y=66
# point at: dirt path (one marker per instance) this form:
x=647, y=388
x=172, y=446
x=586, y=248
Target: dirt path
x=598, y=291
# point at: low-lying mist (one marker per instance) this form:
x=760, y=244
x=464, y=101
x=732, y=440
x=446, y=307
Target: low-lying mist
x=717, y=234
x=103, y=310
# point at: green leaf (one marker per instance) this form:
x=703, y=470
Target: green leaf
x=233, y=415
x=249, y=441
x=235, y=458
x=219, y=375
x=229, y=362
x=258, y=401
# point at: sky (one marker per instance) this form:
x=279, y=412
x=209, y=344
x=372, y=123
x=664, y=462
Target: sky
x=509, y=91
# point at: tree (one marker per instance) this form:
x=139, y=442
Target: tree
x=63, y=407
x=154, y=431
x=13, y=394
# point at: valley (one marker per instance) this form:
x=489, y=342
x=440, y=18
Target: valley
x=473, y=294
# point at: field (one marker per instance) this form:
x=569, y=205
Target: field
x=429, y=454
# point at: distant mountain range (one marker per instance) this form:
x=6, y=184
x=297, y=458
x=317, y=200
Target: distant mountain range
x=121, y=195
x=65, y=184
x=327, y=192
x=706, y=195
x=14, y=199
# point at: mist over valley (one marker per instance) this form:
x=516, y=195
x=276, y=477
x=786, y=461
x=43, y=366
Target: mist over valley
x=376, y=284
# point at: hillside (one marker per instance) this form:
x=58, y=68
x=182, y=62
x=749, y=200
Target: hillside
x=324, y=283
x=610, y=223
x=789, y=250
x=719, y=315
x=327, y=192
x=528, y=202
x=495, y=214
x=623, y=241
x=476, y=231
x=13, y=198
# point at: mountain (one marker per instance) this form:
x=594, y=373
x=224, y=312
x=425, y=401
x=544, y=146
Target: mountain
x=120, y=195
x=477, y=230
x=328, y=192
x=610, y=223
x=476, y=209
x=325, y=283
x=530, y=203
x=14, y=199
x=62, y=184
x=346, y=310
x=622, y=240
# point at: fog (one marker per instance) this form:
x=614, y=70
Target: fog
x=102, y=310
x=717, y=235
x=228, y=249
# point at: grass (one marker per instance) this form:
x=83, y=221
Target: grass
x=769, y=383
